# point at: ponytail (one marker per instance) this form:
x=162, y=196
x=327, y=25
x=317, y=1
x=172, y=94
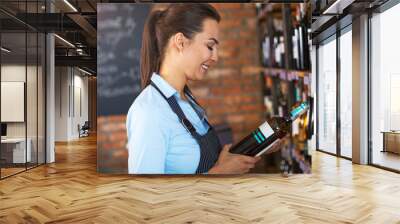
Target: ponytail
x=150, y=52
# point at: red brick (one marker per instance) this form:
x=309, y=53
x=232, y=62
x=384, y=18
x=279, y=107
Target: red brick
x=251, y=70
x=245, y=34
x=237, y=62
x=253, y=125
x=107, y=146
x=227, y=6
x=224, y=110
x=252, y=23
x=101, y=136
x=231, y=43
x=116, y=118
x=228, y=52
x=253, y=117
x=122, y=154
x=248, y=99
x=221, y=72
x=246, y=13
x=231, y=23
x=118, y=136
x=101, y=119
x=252, y=87
x=226, y=91
x=200, y=92
x=251, y=107
x=231, y=81
x=112, y=127
x=249, y=6
x=214, y=102
x=216, y=120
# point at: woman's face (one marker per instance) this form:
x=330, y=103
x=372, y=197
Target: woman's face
x=201, y=52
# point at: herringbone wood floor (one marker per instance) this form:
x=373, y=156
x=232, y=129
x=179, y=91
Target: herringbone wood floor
x=70, y=191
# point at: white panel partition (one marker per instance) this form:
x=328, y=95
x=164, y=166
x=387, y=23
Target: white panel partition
x=327, y=96
x=12, y=101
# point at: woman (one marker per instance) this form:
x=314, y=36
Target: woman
x=168, y=132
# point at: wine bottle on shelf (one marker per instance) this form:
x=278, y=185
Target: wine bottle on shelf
x=308, y=46
x=301, y=52
x=282, y=51
x=265, y=136
x=277, y=53
x=305, y=46
x=296, y=56
x=265, y=51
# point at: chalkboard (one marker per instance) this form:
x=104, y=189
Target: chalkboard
x=119, y=39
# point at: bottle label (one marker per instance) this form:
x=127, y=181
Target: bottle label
x=298, y=111
x=266, y=130
x=256, y=137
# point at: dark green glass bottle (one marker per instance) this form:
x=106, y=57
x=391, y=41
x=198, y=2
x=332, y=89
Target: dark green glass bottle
x=264, y=137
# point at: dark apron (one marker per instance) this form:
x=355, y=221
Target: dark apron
x=210, y=146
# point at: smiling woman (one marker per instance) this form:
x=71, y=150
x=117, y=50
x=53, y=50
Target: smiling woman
x=168, y=132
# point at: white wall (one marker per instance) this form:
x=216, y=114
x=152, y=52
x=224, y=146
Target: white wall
x=61, y=103
x=71, y=94
x=16, y=73
x=80, y=101
x=33, y=126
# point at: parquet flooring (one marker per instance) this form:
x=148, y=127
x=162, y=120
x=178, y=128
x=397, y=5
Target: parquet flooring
x=10, y=171
x=71, y=191
x=386, y=159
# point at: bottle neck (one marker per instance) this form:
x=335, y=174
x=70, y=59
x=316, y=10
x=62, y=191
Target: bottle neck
x=297, y=112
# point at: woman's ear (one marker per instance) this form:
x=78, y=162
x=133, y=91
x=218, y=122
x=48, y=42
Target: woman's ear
x=179, y=41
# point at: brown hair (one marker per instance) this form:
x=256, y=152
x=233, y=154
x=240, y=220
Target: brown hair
x=162, y=24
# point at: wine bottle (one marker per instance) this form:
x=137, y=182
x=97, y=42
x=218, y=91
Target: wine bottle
x=267, y=134
x=265, y=51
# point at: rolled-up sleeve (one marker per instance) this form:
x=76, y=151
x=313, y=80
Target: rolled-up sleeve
x=147, y=141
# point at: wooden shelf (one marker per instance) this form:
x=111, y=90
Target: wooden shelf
x=277, y=71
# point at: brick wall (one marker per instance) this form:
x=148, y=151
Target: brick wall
x=231, y=93
x=112, y=155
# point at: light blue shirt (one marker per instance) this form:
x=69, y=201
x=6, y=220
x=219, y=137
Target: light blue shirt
x=157, y=141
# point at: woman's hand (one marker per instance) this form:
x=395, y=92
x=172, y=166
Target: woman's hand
x=230, y=163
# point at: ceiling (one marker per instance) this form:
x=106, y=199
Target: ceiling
x=335, y=16
x=75, y=21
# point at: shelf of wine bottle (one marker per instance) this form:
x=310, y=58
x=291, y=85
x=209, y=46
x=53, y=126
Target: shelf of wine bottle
x=285, y=42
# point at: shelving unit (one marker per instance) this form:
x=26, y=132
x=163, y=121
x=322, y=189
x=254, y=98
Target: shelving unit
x=285, y=62
x=285, y=71
x=284, y=32
x=295, y=73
